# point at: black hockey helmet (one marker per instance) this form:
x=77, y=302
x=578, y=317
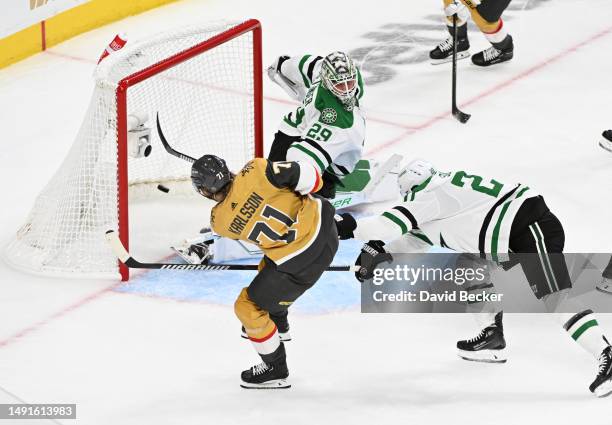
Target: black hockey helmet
x=209, y=175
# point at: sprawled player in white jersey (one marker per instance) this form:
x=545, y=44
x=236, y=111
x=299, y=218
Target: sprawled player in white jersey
x=328, y=128
x=472, y=214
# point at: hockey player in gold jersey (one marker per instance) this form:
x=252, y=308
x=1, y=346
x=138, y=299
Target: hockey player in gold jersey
x=487, y=15
x=270, y=204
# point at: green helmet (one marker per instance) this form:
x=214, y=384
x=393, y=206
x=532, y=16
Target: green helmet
x=339, y=76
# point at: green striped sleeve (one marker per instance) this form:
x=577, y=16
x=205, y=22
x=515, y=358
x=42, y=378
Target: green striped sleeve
x=301, y=68
x=318, y=159
x=397, y=220
x=420, y=235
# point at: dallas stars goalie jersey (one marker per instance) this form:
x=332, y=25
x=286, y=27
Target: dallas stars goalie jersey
x=268, y=205
x=331, y=136
x=460, y=211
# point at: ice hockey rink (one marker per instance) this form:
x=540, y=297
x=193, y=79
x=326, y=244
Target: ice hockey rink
x=165, y=348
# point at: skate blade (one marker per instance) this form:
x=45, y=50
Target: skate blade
x=483, y=356
x=275, y=384
x=606, y=145
x=460, y=55
x=606, y=289
x=604, y=389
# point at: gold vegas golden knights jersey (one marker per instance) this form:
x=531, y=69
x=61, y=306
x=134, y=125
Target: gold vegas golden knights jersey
x=269, y=205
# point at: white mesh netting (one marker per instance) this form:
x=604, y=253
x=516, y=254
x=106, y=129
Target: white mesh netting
x=205, y=104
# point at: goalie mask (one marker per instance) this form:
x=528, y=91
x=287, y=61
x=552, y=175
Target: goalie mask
x=209, y=175
x=339, y=76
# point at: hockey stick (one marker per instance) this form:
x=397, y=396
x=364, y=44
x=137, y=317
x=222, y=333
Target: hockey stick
x=115, y=243
x=169, y=148
x=462, y=117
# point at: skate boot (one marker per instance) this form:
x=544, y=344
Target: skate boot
x=606, y=140
x=488, y=346
x=602, y=385
x=270, y=376
x=444, y=51
x=497, y=53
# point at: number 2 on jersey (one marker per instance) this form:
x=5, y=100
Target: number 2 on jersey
x=261, y=227
x=319, y=133
x=460, y=176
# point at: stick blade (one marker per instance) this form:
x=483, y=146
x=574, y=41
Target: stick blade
x=462, y=117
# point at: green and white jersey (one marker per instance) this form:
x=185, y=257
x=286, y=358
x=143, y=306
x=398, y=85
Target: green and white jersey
x=331, y=137
x=458, y=210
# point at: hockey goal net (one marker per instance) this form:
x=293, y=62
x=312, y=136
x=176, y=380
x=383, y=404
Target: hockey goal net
x=206, y=85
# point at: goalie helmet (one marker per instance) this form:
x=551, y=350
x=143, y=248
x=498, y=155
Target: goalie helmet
x=339, y=76
x=209, y=175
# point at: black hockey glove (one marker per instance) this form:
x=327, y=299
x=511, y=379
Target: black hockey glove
x=345, y=224
x=330, y=182
x=372, y=254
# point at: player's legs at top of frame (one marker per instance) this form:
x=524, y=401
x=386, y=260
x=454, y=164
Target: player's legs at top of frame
x=487, y=15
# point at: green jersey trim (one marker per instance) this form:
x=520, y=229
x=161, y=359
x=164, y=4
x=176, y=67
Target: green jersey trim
x=523, y=190
x=324, y=101
x=299, y=116
x=311, y=154
x=419, y=188
x=359, y=85
x=397, y=221
x=582, y=329
x=421, y=236
x=301, y=68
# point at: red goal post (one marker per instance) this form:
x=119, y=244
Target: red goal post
x=252, y=25
x=205, y=82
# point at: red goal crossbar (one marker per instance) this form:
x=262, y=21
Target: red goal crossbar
x=130, y=81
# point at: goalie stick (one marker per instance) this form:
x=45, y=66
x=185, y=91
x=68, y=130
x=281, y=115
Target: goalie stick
x=462, y=117
x=124, y=256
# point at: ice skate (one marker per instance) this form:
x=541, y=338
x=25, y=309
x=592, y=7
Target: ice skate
x=602, y=385
x=266, y=376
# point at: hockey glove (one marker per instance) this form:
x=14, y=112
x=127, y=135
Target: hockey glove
x=345, y=224
x=451, y=9
x=330, y=182
x=372, y=254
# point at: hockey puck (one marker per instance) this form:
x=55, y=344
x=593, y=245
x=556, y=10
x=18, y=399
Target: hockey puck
x=163, y=188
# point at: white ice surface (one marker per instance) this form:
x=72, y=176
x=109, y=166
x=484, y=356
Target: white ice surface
x=131, y=359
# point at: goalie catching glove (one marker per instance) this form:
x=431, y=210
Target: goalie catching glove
x=372, y=254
